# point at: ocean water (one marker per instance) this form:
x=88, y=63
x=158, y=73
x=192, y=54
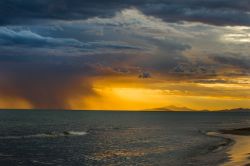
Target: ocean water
x=79, y=138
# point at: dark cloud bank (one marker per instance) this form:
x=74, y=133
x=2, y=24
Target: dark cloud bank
x=218, y=12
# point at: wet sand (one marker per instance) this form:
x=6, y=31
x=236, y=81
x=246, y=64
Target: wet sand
x=239, y=152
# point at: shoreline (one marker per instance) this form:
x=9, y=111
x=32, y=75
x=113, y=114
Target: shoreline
x=238, y=151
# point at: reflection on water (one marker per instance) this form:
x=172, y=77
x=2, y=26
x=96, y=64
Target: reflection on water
x=239, y=153
x=128, y=153
x=79, y=138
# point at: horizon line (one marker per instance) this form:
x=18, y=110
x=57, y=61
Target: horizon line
x=123, y=110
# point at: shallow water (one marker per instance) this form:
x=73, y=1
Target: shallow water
x=239, y=153
x=113, y=138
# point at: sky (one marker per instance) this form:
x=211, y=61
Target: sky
x=124, y=55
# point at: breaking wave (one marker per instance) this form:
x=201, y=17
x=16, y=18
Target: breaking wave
x=48, y=135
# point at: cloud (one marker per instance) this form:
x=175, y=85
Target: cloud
x=129, y=39
x=144, y=75
x=25, y=37
x=239, y=63
x=49, y=85
x=28, y=38
x=44, y=10
x=216, y=12
x=52, y=52
x=220, y=12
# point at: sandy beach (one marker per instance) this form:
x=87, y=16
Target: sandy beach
x=239, y=152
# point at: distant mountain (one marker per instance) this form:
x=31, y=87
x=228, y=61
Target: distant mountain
x=171, y=108
x=175, y=108
x=237, y=110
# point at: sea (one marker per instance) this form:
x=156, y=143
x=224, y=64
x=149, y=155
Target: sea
x=107, y=138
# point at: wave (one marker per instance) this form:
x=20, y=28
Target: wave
x=222, y=145
x=48, y=135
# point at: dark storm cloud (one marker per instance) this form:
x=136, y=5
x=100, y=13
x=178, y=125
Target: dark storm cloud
x=48, y=85
x=29, y=38
x=43, y=86
x=218, y=12
x=50, y=81
x=239, y=61
x=24, y=37
x=19, y=11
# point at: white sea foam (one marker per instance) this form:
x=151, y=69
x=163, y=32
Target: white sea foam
x=77, y=133
x=48, y=135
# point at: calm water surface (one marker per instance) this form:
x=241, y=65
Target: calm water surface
x=78, y=138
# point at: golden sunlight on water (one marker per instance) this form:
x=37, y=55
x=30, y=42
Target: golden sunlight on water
x=239, y=153
x=129, y=153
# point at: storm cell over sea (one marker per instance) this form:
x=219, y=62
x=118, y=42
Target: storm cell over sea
x=114, y=82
